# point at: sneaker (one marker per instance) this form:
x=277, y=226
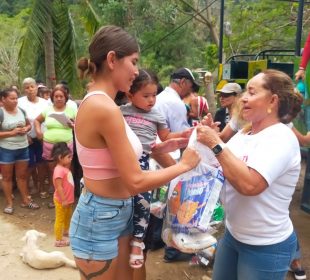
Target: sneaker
x=299, y=274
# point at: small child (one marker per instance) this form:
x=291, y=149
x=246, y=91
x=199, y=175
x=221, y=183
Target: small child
x=64, y=193
x=147, y=123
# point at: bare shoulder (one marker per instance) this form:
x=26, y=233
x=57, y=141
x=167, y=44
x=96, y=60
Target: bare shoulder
x=98, y=107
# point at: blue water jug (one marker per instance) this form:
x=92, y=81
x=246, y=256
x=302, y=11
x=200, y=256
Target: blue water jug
x=301, y=87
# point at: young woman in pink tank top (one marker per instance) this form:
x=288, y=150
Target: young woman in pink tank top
x=101, y=226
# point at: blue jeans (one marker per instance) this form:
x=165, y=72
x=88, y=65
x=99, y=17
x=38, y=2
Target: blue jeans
x=235, y=260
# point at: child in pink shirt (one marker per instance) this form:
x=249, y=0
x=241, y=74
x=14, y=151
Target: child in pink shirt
x=64, y=193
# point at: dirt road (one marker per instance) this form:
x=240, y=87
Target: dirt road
x=13, y=227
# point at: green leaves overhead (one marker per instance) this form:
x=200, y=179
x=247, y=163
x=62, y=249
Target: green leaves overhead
x=48, y=16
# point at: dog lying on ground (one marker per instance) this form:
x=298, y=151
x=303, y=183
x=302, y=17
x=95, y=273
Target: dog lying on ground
x=36, y=258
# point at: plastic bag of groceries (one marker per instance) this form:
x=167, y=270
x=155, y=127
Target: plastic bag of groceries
x=192, y=199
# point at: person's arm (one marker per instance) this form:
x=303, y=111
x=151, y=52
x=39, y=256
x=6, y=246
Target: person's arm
x=37, y=126
x=304, y=140
x=11, y=133
x=300, y=74
x=244, y=179
x=60, y=192
x=227, y=133
x=16, y=131
x=170, y=145
x=164, y=160
x=137, y=181
x=165, y=134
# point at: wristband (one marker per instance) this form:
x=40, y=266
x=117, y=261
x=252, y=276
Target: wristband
x=301, y=68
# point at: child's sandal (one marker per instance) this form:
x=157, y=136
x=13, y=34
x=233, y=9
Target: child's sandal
x=136, y=261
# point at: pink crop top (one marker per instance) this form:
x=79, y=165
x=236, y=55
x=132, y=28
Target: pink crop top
x=97, y=164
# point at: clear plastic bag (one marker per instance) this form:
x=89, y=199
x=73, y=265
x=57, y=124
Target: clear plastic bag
x=192, y=199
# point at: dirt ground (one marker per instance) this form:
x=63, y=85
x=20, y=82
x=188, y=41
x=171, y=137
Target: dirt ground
x=12, y=228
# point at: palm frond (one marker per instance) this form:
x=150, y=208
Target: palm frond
x=32, y=41
x=64, y=43
x=91, y=19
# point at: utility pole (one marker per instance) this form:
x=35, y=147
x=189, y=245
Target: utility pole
x=299, y=27
x=221, y=32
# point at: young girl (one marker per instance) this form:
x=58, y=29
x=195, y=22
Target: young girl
x=64, y=193
x=147, y=122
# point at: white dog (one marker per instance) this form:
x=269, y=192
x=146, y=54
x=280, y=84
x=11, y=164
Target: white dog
x=36, y=258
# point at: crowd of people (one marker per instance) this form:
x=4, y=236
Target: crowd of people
x=108, y=229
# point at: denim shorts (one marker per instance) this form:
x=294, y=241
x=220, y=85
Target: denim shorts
x=35, y=152
x=11, y=156
x=96, y=225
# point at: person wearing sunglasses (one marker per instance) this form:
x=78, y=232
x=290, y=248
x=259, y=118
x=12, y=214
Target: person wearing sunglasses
x=228, y=95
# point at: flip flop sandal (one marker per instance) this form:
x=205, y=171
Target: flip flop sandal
x=8, y=210
x=31, y=205
x=62, y=243
x=136, y=261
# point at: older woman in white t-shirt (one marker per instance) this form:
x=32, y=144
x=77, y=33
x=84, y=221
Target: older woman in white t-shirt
x=261, y=164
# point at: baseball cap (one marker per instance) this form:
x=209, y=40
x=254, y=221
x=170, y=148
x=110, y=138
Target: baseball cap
x=187, y=74
x=230, y=88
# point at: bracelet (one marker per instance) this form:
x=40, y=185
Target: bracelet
x=301, y=68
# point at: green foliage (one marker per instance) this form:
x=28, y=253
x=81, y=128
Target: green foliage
x=171, y=34
x=13, y=7
x=49, y=16
x=12, y=29
x=211, y=57
x=259, y=25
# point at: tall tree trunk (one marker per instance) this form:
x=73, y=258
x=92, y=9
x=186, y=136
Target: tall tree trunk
x=209, y=93
x=49, y=55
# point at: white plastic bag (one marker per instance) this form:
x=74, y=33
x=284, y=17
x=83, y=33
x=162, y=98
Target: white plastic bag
x=192, y=198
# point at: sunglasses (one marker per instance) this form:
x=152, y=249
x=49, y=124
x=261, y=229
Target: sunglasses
x=225, y=95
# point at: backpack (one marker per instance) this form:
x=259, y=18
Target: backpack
x=2, y=115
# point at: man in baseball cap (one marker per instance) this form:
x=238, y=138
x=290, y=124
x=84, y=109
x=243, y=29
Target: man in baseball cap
x=185, y=73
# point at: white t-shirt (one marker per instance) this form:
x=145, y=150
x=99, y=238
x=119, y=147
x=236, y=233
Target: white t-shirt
x=264, y=219
x=171, y=106
x=33, y=109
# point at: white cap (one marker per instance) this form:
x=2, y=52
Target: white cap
x=231, y=88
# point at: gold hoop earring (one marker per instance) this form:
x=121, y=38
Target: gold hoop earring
x=269, y=110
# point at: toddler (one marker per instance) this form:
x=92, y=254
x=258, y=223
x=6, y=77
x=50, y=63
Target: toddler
x=64, y=193
x=147, y=123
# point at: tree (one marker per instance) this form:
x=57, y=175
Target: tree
x=49, y=34
x=259, y=25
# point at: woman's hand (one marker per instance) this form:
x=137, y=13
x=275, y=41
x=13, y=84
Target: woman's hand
x=189, y=159
x=17, y=131
x=208, y=121
x=23, y=130
x=70, y=123
x=207, y=136
x=300, y=74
